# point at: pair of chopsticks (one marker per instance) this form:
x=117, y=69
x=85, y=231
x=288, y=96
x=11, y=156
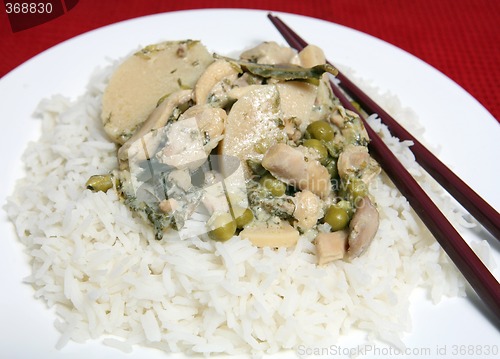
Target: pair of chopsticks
x=471, y=267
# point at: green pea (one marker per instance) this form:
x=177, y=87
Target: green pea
x=319, y=147
x=337, y=218
x=224, y=227
x=256, y=167
x=333, y=147
x=261, y=147
x=346, y=205
x=321, y=130
x=273, y=185
x=244, y=218
x=332, y=169
x=99, y=183
x=357, y=189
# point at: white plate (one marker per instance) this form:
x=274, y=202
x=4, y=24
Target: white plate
x=468, y=135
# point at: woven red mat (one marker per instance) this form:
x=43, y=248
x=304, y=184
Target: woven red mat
x=458, y=37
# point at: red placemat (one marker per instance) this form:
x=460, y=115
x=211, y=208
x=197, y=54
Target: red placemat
x=458, y=37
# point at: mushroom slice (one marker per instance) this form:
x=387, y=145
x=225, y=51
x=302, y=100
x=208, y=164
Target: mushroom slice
x=144, y=78
x=215, y=73
x=289, y=165
x=331, y=246
x=356, y=161
x=143, y=143
x=363, y=227
x=267, y=235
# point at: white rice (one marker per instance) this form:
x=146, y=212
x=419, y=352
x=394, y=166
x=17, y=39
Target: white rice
x=108, y=278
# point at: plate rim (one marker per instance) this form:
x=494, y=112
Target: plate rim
x=180, y=12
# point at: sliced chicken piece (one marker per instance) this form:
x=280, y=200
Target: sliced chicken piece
x=168, y=205
x=215, y=200
x=269, y=53
x=290, y=127
x=143, y=143
x=253, y=124
x=214, y=74
x=143, y=79
x=289, y=165
x=210, y=120
x=356, y=161
x=184, y=145
x=350, y=125
x=308, y=209
x=187, y=141
x=331, y=246
x=181, y=179
x=270, y=235
x=363, y=227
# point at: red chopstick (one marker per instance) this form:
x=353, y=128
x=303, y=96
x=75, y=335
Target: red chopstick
x=472, y=268
x=466, y=196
